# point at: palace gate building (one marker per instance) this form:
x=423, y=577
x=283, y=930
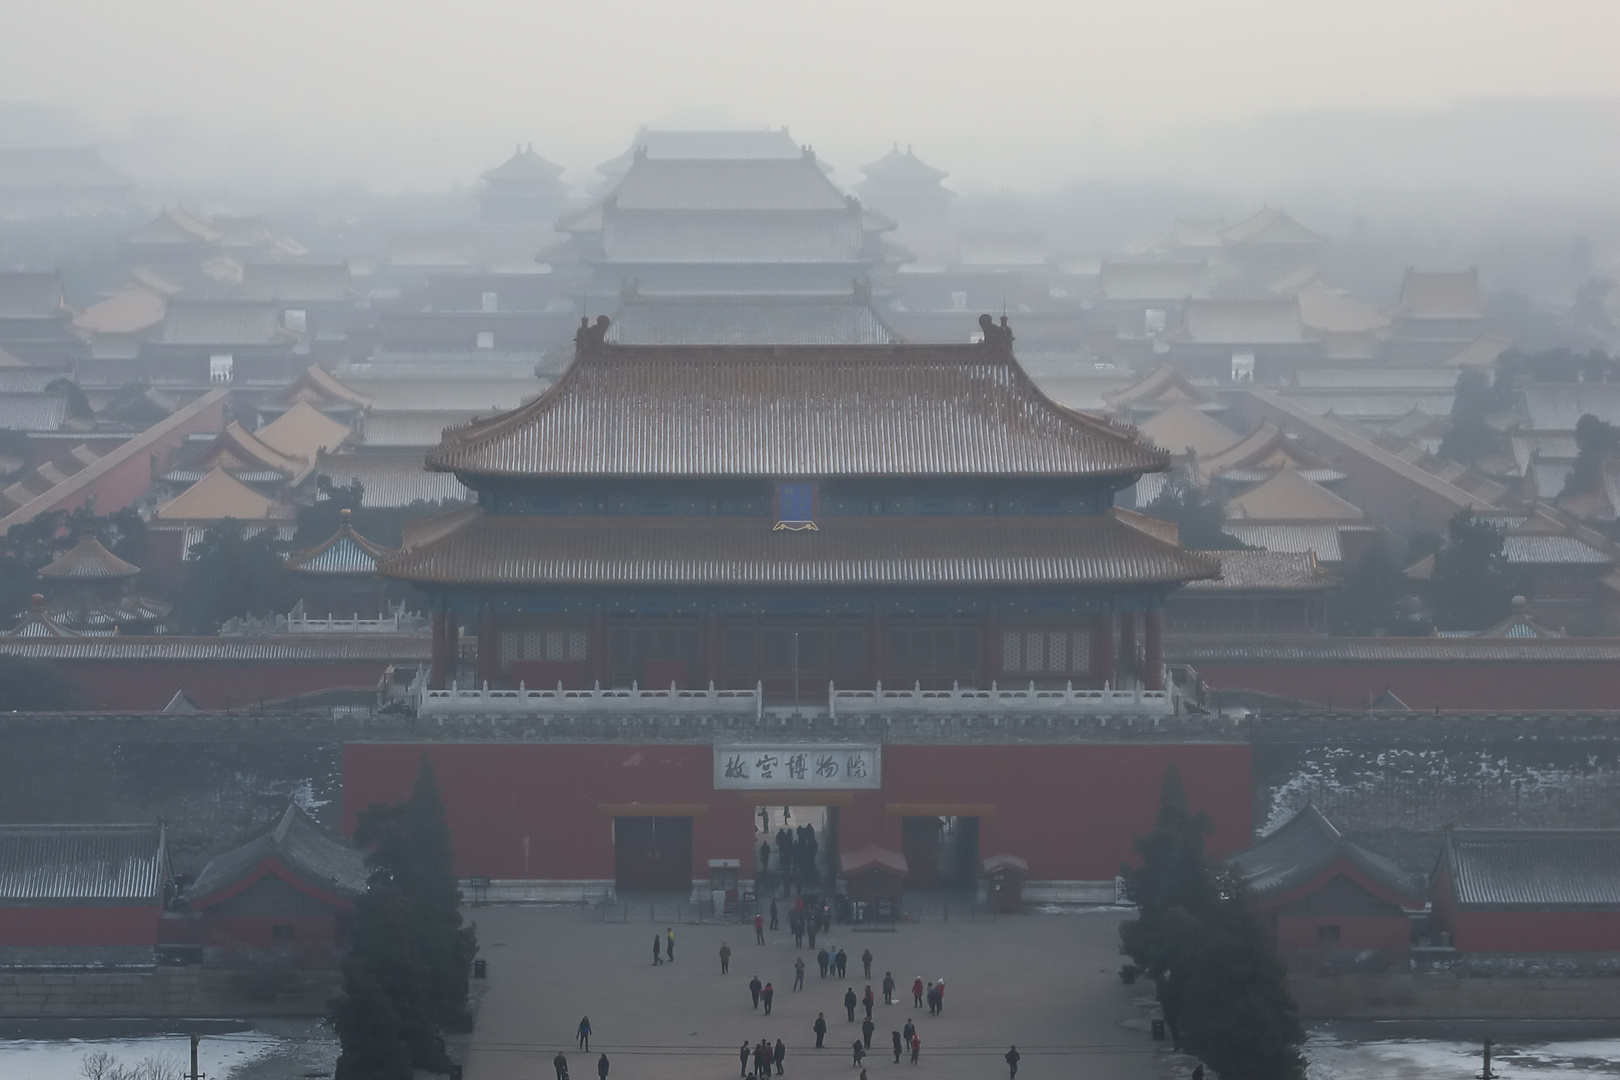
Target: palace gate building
x=882, y=589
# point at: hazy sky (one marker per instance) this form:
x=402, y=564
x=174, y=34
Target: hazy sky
x=1015, y=91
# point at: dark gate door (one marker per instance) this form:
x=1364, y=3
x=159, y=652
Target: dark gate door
x=652, y=852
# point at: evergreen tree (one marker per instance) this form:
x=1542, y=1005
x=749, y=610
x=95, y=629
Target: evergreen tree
x=1171, y=889
x=1374, y=598
x=1217, y=974
x=1470, y=437
x=1471, y=586
x=1594, y=440
x=1198, y=519
x=414, y=853
x=383, y=948
x=230, y=575
x=368, y=1030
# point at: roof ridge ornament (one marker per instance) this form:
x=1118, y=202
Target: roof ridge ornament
x=997, y=337
x=591, y=336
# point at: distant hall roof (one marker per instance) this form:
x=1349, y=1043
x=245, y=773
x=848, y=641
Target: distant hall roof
x=1440, y=294
x=1272, y=228
x=737, y=184
x=1243, y=322
x=524, y=164
x=1170, y=282
x=1266, y=571
x=77, y=864
x=749, y=321
x=223, y=322
x=900, y=164
x=31, y=295
x=344, y=552
x=793, y=411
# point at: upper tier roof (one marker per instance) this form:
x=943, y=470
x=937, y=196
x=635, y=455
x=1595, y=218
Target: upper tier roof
x=749, y=184
x=1300, y=850
x=860, y=410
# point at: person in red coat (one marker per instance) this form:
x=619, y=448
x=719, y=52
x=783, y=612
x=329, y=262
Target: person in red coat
x=916, y=993
x=759, y=929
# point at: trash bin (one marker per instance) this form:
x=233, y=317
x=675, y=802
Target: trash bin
x=1158, y=1030
x=480, y=969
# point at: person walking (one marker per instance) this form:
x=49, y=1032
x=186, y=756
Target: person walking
x=867, y=1028
x=860, y=1052
x=843, y=962
x=754, y=987
x=898, y=1049
x=725, y=958
x=744, y=1054
x=584, y=1033
x=1012, y=1058
x=560, y=1063
x=916, y=1047
x=866, y=963
x=933, y=999
x=796, y=924
x=888, y=988
x=779, y=1055
x=773, y=913
x=768, y=995
x=939, y=992
x=657, y=944
x=810, y=931
x=798, y=974
x=916, y=993
x=669, y=942
x=868, y=999
x=602, y=1067
x=759, y=929
x=823, y=961
x=820, y=1028
x=850, y=1002
x=907, y=1032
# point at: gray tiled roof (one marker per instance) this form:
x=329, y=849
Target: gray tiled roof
x=222, y=323
x=1266, y=570
x=297, y=843
x=1321, y=539
x=931, y=410
x=1536, y=868
x=392, y=479
x=383, y=648
x=32, y=412
x=1303, y=847
x=1194, y=649
x=344, y=552
x=721, y=236
x=75, y=864
x=854, y=551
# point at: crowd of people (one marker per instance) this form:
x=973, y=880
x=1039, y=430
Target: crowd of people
x=795, y=855
x=833, y=962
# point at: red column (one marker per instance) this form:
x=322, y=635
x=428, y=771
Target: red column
x=1102, y=649
x=1154, y=677
x=452, y=647
x=436, y=670
x=878, y=648
x=990, y=653
x=598, y=649
x=1127, y=644
x=489, y=654
x=711, y=648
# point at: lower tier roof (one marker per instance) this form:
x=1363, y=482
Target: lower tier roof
x=475, y=548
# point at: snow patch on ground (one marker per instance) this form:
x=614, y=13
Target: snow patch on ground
x=220, y=1056
x=1333, y=1058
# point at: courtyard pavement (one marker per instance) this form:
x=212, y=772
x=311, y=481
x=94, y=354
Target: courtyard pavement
x=1046, y=982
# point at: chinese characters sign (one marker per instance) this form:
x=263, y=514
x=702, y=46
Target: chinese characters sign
x=805, y=768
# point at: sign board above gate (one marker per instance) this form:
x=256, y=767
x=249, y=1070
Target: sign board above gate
x=790, y=767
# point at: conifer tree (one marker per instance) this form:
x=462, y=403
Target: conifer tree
x=1216, y=971
x=368, y=1030
x=415, y=854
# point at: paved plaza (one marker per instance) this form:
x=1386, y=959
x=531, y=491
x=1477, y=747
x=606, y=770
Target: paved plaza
x=1046, y=982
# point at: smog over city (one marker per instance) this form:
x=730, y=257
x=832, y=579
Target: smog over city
x=1110, y=508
